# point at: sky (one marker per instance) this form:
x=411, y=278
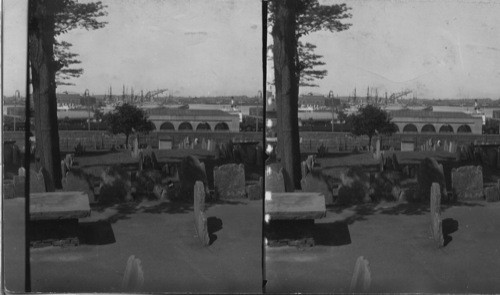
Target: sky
x=437, y=49
x=190, y=47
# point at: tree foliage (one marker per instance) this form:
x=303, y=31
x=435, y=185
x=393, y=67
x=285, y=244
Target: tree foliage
x=311, y=17
x=128, y=119
x=71, y=15
x=371, y=120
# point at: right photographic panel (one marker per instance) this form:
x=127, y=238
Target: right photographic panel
x=382, y=136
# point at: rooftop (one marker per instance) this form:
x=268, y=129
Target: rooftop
x=427, y=114
x=184, y=112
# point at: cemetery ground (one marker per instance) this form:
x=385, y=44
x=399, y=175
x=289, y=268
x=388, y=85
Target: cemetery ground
x=159, y=232
x=395, y=237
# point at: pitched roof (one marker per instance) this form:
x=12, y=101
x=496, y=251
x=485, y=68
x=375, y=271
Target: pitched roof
x=427, y=114
x=188, y=112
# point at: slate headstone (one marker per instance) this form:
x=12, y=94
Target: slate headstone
x=467, y=182
x=361, y=278
x=116, y=185
x=317, y=183
x=254, y=191
x=430, y=171
x=37, y=182
x=492, y=194
x=274, y=181
x=191, y=171
x=229, y=181
x=199, y=213
x=19, y=183
x=8, y=189
x=436, y=222
x=355, y=187
x=77, y=181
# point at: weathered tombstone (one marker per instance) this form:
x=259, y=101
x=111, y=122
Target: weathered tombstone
x=133, y=278
x=430, y=171
x=436, y=223
x=76, y=181
x=361, y=278
x=355, y=187
x=8, y=189
x=377, y=149
x=116, y=185
x=395, y=162
x=191, y=171
x=21, y=171
x=259, y=153
x=492, y=193
x=37, y=182
x=303, y=169
x=199, y=213
x=316, y=182
x=254, y=191
x=467, y=182
x=19, y=188
x=274, y=181
x=229, y=181
x=135, y=148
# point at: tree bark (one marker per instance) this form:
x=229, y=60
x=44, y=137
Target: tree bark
x=287, y=86
x=41, y=55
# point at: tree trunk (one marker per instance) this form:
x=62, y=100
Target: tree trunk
x=41, y=55
x=286, y=82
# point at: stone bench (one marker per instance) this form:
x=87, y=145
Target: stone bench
x=54, y=217
x=291, y=216
x=297, y=205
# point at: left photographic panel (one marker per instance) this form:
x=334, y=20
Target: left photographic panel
x=146, y=158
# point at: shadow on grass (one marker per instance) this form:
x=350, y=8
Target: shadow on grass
x=301, y=232
x=96, y=233
x=449, y=226
x=361, y=212
x=214, y=224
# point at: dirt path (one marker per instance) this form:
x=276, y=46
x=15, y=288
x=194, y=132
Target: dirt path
x=396, y=242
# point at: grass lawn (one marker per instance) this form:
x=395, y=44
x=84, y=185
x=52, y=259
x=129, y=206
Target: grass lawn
x=161, y=234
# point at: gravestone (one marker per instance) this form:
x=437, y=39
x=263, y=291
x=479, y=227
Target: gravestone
x=37, y=182
x=430, y=171
x=492, y=193
x=467, y=182
x=361, y=278
x=77, y=181
x=133, y=278
x=19, y=189
x=229, y=181
x=21, y=171
x=316, y=182
x=259, y=155
x=355, y=187
x=254, y=191
x=200, y=220
x=274, y=181
x=376, y=155
x=191, y=171
x=135, y=148
x=436, y=223
x=8, y=189
x=116, y=185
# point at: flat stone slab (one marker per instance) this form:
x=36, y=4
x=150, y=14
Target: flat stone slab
x=59, y=205
x=297, y=205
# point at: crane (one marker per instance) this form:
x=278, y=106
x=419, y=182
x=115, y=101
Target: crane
x=152, y=94
x=395, y=96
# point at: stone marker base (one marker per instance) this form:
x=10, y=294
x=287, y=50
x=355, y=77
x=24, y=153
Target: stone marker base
x=299, y=233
